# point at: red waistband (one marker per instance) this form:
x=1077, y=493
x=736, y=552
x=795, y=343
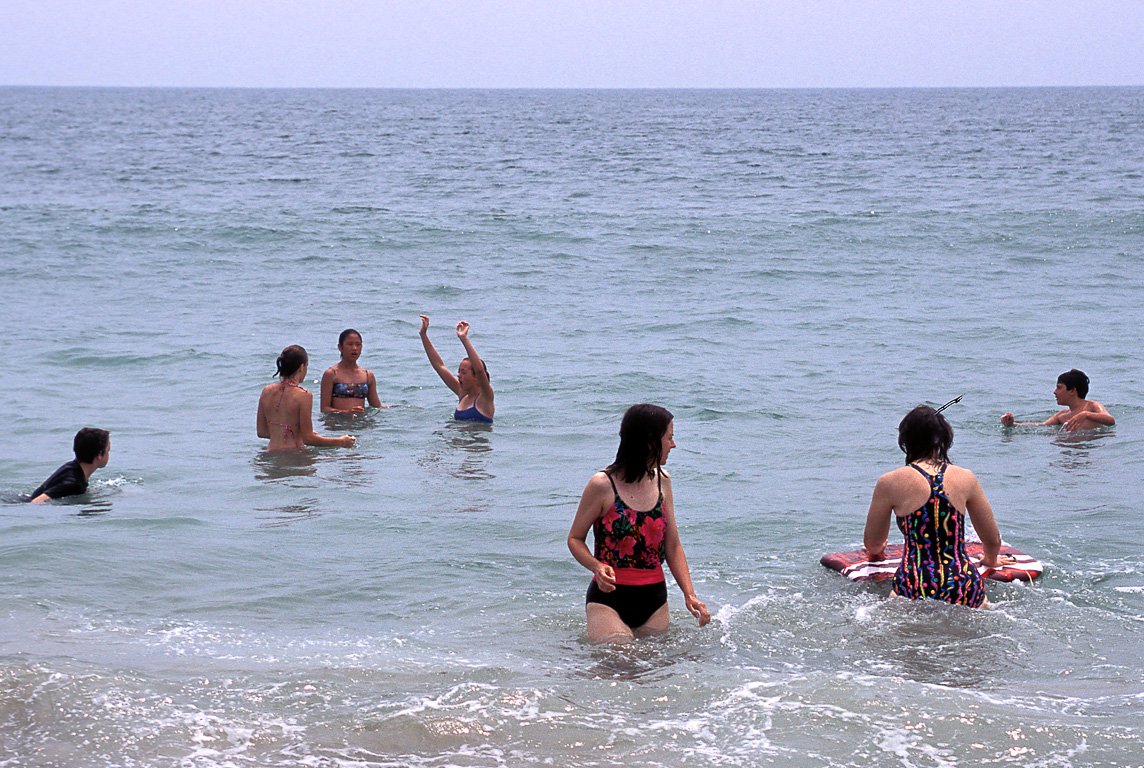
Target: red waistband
x=638, y=577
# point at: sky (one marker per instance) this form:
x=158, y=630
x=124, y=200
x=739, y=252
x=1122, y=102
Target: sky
x=572, y=43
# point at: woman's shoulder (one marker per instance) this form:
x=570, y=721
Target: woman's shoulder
x=959, y=474
x=901, y=476
x=599, y=485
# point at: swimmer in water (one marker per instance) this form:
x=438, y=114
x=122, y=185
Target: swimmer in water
x=347, y=387
x=471, y=384
x=284, y=409
x=92, y=449
x=1071, y=391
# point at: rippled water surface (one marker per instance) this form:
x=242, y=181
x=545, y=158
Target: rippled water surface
x=787, y=271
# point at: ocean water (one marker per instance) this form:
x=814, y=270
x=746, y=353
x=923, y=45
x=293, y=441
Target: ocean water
x=787, y=271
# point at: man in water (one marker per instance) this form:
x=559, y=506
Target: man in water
x=1072, y=387
x=92, y=450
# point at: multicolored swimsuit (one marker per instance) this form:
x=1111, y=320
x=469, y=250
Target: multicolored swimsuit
x=359, y=390
x=934, y=561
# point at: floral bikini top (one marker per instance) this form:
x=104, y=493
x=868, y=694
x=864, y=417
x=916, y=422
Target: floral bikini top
x=359, y=390
x=628, y=539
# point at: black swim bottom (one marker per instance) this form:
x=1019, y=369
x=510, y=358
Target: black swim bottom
x=635, y=604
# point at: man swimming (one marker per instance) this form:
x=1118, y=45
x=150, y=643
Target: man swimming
x=92, y=450
x=1072, y=388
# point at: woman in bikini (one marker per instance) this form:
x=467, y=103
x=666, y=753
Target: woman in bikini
x=346, y=387
x=627, y=596
x=928, y=496
x=471, y=384
x=284, y=408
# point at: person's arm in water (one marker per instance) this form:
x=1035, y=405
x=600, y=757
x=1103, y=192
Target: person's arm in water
x=1094, y=415
x=372, y=397
x=1057, y=418
x=68, y=480
x=593, y=501
x=306, y=426
x=677, y=559
x=477, y=365
x=436, y=361
x=878, y=518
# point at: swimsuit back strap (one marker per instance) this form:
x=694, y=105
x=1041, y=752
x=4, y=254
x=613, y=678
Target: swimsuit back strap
x=929, y=478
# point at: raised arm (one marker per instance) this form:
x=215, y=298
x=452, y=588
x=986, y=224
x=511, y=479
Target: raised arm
x=677, y=559
x=436, y=361
x=475, y=361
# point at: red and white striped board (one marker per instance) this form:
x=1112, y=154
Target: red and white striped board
x=857, y=567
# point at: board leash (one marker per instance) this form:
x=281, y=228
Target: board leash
x=951, y=402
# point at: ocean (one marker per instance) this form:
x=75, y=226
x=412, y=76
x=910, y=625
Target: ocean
x=787, y=271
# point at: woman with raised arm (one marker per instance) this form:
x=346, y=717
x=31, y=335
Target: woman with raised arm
x=346, y=386
x=284, y=409
x=627, y=596
x=471, y=384
x=928, y=496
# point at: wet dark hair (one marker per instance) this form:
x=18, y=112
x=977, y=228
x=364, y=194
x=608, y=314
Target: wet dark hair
x=925, y=434
x=291, y=359
x=89, y=443
x=641, y=440
x=1075, y=379
x=342, y=336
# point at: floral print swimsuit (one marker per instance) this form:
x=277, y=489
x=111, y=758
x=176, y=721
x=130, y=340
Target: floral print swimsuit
x=632, y=542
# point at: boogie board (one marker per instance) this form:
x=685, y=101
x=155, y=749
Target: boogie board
x=857, y=567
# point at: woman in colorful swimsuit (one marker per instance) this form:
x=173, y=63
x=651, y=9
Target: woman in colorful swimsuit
x=471, y=384
x=284, y=409
x=346, y=387
x=627, y=596
x=928, y=496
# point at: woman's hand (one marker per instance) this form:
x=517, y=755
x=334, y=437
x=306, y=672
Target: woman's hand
x=698, y=609
x=1000, y=562
x=424, y=323
x=605, y=577
x=347, y=441
x=462, y=329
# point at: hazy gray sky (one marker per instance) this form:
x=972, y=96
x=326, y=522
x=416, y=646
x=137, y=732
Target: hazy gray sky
x=572, y=43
